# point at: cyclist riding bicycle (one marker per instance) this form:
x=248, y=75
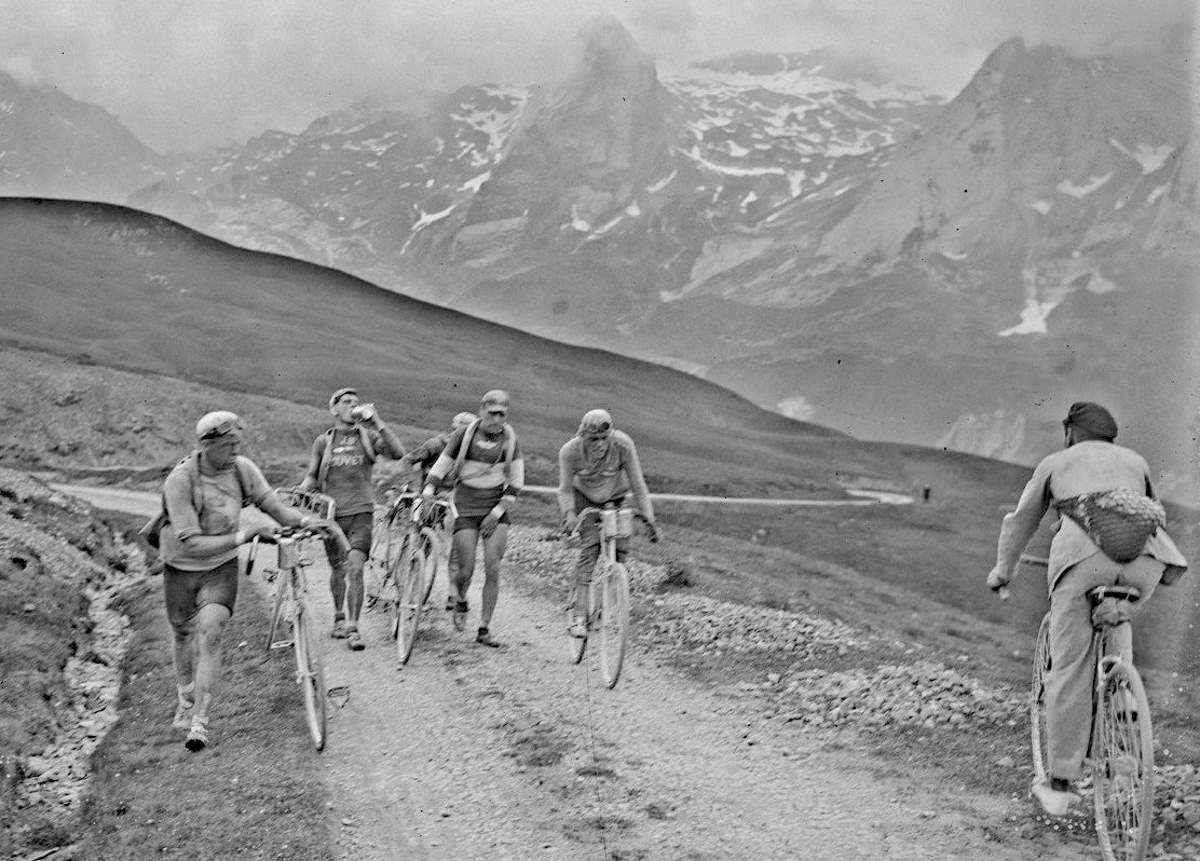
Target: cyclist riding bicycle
x=1090, y=480
x=203, y=498
x=597, y=466
x=486, y=458
x=340, y=466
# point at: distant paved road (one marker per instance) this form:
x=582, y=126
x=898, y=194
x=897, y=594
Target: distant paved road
x=142, y=502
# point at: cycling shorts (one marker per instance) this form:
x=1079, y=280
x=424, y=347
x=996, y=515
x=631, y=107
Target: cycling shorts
x=358, y=532
x=186, y=592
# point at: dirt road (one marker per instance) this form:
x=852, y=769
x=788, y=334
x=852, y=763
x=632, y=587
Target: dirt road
x=514, y=753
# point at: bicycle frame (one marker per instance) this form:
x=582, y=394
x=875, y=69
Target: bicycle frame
x=607, y=595
x=1120, y=743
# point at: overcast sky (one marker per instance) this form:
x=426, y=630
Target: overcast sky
x=182, y=75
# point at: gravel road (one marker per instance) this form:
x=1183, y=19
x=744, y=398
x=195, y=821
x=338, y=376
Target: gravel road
x=468, y=752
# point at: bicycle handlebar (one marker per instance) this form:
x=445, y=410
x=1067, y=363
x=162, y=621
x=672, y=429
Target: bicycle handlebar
x=596, y=511
x=323, y=528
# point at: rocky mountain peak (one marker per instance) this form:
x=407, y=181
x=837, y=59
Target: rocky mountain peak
x=608, y=47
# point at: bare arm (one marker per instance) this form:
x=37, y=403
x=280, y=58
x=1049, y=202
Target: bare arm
x=566, y=474
x=637, y=482
x=309, y=482
x=393, y=448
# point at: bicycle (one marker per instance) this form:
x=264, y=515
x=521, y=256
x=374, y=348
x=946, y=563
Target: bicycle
x=395, y=532
x=607, y=593
x=417, y=568
x=291, y=603
x=1121, y=750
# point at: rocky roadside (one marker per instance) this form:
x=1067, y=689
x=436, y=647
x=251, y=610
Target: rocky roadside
x=807, y=688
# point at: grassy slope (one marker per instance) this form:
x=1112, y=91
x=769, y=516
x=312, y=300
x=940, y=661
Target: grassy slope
x=138, y=292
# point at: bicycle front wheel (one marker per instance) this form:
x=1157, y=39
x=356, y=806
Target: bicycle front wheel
x=1037, y=703
x=274, y=631
x=311, y=676
x=412, y=599
x=614, y=622
x=1123, y=765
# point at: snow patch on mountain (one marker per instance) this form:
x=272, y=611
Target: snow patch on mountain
x=1151, y=158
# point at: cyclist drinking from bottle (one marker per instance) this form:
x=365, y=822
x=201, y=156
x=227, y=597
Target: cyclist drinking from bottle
x=1090, y=470
x=340, y=466
x=597, y=466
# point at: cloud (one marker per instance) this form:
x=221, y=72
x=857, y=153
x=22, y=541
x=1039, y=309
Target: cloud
x=22, y=69
x=183, y=75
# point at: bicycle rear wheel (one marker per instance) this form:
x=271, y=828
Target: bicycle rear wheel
x=311, y=676
x=1123, y=765
x=393, y=582
x=411, y=600
x=427, y=549
x=1037, y=703
x=614, y=622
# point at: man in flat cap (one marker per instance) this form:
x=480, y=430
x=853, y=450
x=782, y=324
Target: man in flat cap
x=486, y=459
x=203, y=498
x=1089, y=467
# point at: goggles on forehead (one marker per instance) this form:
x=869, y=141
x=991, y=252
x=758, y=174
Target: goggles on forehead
x=225, y=427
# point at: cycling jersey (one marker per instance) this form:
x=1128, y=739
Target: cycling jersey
x=212, y=506
x=344, y=462
x=1085, y=467
x=488, y=476
x=611, y=475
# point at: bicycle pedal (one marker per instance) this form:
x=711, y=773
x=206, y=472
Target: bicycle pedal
x=269, y=574
x=282, y=644
x=339, y=694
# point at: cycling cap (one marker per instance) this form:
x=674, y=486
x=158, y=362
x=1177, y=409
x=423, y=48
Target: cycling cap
x=595, y=422
x=341, y=393
x=217, y=424
x=496, y=398
x=1093, y=418
x=462, y=420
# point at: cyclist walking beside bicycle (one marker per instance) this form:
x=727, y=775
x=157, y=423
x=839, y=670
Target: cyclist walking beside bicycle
x=340, y=466
x=597, y=466
x=421, y=459
x=486, y=459
x=1092, y=482
x=203, y=498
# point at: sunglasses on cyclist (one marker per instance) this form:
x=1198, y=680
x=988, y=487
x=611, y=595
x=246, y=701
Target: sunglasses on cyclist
x=598, y=430
x=225, y=427
x=499, y=413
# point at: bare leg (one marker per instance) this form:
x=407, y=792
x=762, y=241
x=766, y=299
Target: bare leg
x=493, y=552
x=352, y=586
x=337, y=587
x=463, y=549
x=210, y=622
x=185, y=655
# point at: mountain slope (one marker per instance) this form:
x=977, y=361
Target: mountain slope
x=118, y=287
x=55, y=146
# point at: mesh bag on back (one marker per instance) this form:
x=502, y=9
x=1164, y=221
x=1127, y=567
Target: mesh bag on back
x=1119, y=521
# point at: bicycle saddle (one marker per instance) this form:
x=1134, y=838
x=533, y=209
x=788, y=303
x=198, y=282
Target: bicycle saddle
x=1120, y=593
